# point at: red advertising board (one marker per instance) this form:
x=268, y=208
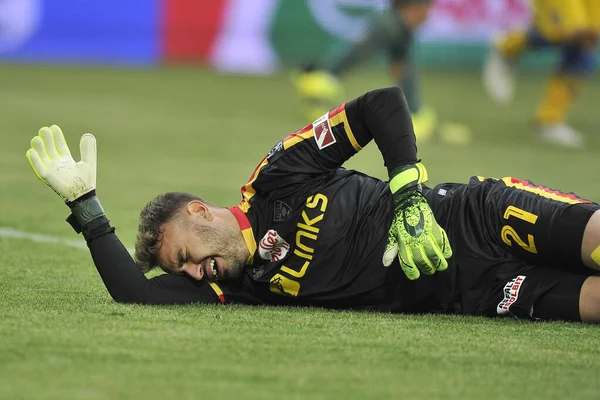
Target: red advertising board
x=190, y=28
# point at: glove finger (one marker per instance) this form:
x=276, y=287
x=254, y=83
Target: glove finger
x=36, y=164
x=390, y=255
x=407, y=263
x=422, y=260
x=37, y=144
x=59, y=141
x=444, y=251
x=446, y=248
x=48, y=137
x=87, y=148
x=437, y=256
x=441, y=264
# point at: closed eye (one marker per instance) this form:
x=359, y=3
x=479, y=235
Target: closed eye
x=179, y=260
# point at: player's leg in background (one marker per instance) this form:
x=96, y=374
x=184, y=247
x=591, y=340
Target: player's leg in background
x=319, y=85
x=507, y=48
x=567, y=25
x=404, y=74
x=403, y=66
x=561, y=90
x=505, y=51
x=319, y=91
x=571, y=25
x=500, y=65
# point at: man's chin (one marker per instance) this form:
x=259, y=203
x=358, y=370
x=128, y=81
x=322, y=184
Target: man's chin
x=235, y=272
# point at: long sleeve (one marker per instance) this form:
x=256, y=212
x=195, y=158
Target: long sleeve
x=325, y=145
x=383, y=115
x=127, y=284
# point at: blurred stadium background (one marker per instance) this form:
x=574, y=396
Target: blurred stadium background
x=189, y=95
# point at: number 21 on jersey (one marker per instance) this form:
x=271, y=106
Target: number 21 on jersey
x=508, y=233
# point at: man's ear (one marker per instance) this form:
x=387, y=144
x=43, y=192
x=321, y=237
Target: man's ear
x=198, y=208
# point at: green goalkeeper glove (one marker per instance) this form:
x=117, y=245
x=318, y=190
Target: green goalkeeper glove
x=414, y=236
x=74, y=182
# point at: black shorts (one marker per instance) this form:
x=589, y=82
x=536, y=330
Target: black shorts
x=516, y=248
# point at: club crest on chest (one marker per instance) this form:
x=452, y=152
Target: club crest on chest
x=273, y=247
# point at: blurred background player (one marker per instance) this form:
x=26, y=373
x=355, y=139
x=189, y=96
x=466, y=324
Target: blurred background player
x=393, y=31
x=573, y=27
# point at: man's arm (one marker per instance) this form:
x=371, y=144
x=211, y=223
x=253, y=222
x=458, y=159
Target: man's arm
x=329, y=142
x=125, y=282
x=322, y=147
x=75, y=183
x=383, y=115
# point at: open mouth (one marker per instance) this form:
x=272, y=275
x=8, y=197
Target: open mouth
x=213, y=269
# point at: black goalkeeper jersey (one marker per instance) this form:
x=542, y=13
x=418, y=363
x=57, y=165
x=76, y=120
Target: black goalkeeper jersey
x=316, y=232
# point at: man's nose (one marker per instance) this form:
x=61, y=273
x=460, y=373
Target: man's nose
x=193, y=270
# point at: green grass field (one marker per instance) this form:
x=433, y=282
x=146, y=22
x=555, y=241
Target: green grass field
x=62, y=337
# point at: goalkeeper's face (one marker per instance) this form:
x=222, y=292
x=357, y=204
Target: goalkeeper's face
x=203, y=245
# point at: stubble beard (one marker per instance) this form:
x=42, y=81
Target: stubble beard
x=225, y=243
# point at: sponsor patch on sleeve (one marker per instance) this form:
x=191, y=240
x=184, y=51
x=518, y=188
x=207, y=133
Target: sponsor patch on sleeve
x=323, y=133
x=511, y=294
x=275, y=149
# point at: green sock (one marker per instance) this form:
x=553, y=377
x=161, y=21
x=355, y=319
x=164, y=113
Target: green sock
x=410, y=86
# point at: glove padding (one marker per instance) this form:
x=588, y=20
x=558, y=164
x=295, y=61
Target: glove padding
x=414, y=235
x=51, y=160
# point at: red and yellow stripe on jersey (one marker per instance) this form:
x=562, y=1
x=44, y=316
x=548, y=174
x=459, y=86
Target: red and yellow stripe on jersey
x=540, y=190
x=246, y=229
x=248, y=236
x=336, y=117
x=218, y=291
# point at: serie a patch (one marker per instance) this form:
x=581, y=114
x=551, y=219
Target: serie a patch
x=323, y=133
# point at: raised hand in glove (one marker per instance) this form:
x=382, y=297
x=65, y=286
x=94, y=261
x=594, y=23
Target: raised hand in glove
x=74, y=182
x=414, y=236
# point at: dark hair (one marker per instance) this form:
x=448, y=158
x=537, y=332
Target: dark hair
x=158, y=211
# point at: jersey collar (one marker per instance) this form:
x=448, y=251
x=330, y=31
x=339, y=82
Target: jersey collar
x=246, y=229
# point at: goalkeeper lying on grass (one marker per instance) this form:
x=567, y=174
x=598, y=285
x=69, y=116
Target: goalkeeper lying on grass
x=308, y=232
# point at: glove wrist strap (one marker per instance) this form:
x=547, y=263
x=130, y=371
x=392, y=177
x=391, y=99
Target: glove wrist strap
x=409, y=195
x=407, y=177
x=84, y=210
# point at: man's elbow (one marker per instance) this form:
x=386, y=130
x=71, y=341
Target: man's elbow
x=392, y=96
x=130, y=298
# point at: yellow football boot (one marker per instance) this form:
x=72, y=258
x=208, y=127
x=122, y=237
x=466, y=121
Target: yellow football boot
x=455, y=133
x=425, y=123
x=319, y=92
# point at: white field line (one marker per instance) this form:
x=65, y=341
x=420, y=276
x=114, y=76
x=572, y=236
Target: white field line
x=42, y=238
